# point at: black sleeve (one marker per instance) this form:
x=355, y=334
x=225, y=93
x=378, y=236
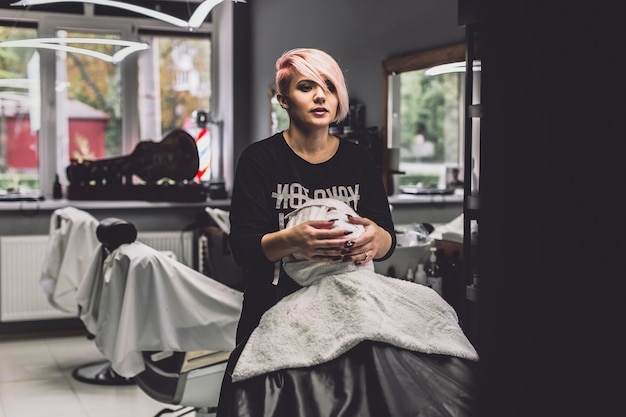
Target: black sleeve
x=250, y=218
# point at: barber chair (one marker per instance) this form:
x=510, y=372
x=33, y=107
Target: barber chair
x=173, y=365
x=216, y=260
x=71, y=245
x=191, y=380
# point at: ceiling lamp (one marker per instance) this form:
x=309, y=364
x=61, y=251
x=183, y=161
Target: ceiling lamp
x=452, y=67
x=61, y=44
x=195, y=21
x=23, y=83
x=14, y=96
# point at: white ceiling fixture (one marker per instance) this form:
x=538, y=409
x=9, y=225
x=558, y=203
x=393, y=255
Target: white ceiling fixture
x=194, y=22
x=61, y=44
x=14, y=96
x=23, y=83
x=452, y=67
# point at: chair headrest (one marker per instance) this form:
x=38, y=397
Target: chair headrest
x=112, y=232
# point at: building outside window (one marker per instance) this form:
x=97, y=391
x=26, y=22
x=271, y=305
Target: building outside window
x=93, y=116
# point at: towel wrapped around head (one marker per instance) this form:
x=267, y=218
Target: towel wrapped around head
x=306, y=272
x=342, y=304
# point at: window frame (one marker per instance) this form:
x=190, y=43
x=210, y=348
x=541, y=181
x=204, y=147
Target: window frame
x=404, y=63
x=130, y=28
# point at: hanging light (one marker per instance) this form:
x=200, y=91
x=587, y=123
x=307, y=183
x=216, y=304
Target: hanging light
x=452, y=67
x=194, y=22
x=129, y=47
x=61, y=44
x=15, y=83
x=13, y=96
x=23, y=83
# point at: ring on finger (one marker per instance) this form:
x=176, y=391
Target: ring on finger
x=367, y=255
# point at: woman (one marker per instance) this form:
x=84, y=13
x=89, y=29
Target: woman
x=329, y=348
x=277, y=175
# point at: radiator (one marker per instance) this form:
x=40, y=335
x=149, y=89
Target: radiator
x=21, y=260
x=21, y=296
x=180, y=243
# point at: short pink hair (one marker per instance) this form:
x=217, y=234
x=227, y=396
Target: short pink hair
x=316, y=65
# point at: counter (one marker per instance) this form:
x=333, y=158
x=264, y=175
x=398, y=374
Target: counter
x=32, y=217
x=24, y=229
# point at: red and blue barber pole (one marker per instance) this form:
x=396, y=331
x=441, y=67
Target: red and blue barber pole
x=196, y=126
x=203, y=143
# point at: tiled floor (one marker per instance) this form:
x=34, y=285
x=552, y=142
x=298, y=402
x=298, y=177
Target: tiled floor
x=36, y=381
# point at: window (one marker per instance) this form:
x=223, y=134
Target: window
x=424, y=118
x=170, y=94
x=88, y=102
x=19, y=153
x=182, y=82
x=98, y=109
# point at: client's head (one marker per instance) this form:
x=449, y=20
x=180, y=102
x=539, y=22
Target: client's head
x=306, y=272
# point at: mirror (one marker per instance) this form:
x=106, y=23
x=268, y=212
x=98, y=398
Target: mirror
x=423, y=119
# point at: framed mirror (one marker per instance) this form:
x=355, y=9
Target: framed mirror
x=423, y=119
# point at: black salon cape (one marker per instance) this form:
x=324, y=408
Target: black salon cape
x=372, y=379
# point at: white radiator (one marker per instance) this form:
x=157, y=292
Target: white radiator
x=21, y=296
x=21, y=260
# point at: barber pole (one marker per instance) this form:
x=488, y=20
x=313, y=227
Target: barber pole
x=203, y=143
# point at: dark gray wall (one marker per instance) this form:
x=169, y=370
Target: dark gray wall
x=360, y=34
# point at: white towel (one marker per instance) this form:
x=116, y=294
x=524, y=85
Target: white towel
x=342, y=305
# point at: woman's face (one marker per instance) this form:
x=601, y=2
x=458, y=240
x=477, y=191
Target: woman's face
x=308, y=104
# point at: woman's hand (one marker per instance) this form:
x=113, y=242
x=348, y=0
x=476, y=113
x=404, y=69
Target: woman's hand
x=315, y=240
x=374, y=243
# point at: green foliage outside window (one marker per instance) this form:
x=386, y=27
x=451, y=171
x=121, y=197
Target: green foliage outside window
x=429, y=107
x=429, y=126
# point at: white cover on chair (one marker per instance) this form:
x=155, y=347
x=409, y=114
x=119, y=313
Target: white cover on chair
x=72, y=241
x=138, y=299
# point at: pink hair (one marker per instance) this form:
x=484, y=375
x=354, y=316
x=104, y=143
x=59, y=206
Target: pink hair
x=316, y=65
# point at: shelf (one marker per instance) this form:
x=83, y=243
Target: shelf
x=471, y=204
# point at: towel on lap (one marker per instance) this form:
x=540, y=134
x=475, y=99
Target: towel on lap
x=343, y=304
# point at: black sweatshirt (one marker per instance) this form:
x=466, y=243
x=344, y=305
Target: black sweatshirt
x=270, y=182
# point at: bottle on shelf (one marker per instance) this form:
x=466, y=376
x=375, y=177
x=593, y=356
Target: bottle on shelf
x=410, y=276
x=57, y=191
x=433, y=273
x=420, y=275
